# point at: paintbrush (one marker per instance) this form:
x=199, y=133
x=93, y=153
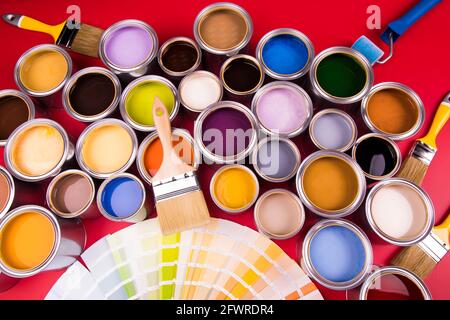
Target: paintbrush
x=416, y=164
x=81, y=38
x=423, y=257
x=179, y=200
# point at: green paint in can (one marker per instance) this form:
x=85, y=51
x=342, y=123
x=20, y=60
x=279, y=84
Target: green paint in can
x=341, y=75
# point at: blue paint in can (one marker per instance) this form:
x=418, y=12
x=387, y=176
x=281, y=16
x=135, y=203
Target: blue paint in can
x=337, y=253
x=122, y=197
x=285, y=54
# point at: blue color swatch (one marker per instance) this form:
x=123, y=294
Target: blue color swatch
x=337, y=253
x=285, y=54
x=122, y=197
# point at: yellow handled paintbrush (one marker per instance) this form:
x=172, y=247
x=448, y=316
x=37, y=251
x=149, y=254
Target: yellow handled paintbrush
x=416, y=164
x=84, y=39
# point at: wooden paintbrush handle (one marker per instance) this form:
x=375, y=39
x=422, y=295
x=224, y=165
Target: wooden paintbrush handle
x=440, y=119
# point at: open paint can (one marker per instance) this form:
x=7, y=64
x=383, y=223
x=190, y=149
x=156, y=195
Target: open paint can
x=200, y=89
x=122, y=197
x=234, y=188
x=16, y=108
x=279, y=214
x=333, y=129
x=341, y=75
x=34, y=240
x=42, y=72
x=71, y=194
x=226, y=132
x=7, y=191
x=241, y=76
x=179, y=56
x=282, y=108
x=136, y=104
x=37, y=150
x=337, y=254
x=106, y=147
x=150, y=153
x=286, y=54
x=378, y=156
x=129, y=48
x=222, y=29
x=92, y=94
x=399, y=212
x=276, y=159
x=393, y=283
x=394, y=110
x=331, y=184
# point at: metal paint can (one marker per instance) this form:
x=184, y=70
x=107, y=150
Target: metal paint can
x=146, y=160
x=399, y=283
x=297, y=46
x=341, y=75
x=343, y=240
x=399, y=212
x=342, y=186
x=114, y=49
x=69, y=240
x=226, y=132
x=106, y=84
x=179, y=56
x=282, y=108
x=15, y=109
x=394, y=110
x=276, y=159
x=120, y=189
x=71, y=184
x=106, y=147
x=29, y=134
x=137, y=98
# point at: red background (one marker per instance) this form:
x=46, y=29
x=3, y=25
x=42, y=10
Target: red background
x=421, y=61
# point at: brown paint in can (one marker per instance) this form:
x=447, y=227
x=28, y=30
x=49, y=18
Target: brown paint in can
x=13, y=112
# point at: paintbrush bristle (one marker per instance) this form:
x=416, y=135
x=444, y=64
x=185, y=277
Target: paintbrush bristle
x=413, y=169
x=182, y=212
x=415, y=260
x=87, y=40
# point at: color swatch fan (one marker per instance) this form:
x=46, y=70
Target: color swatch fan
x=221, y=260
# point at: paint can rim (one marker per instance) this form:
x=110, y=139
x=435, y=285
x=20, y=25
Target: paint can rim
x=12, y=191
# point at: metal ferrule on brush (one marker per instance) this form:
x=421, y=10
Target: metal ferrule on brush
x=423, y=152
x=434, y=247
x=175, y=186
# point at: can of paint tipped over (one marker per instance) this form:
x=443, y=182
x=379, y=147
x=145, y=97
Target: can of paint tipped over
x=42, y=72
x=38, y=150
x=394, y=110
x=290, y=215
x=234, y=188
x=282, y=108
x=226, y=132
x=136, y=103
x=54, y=243
x=178, y=57
x=340, y=75
x=129, y=49
x=378, y=156
x=106, y=147
x=241, y=76
x=150, y=153
x=122, y=198
x=222, y=30
x=399, y=212
x=199, y=90
x=276, y=159
x=393, y=283
x=91, y=94
x=331, y=184
x=71, y=194
x=337, y=254
x=333, y=129
x=285, y=54
x=16, y=108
